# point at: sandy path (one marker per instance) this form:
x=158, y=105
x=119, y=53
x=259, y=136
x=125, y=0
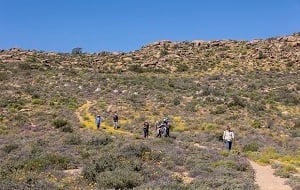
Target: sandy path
x=87, y=120
x=266, y=180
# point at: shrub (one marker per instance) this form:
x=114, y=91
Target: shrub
x=10, y=147
x=58, y=123
x=285, y=171
x=48, y=161
x=177, y=100
x=135, y=150
x=218, y=110
x=297, y=124
x=74, y=139
x=191, y=107
x=3, y=129
x=67, y=129
x=119, y=179
x=251, y=147
x=182, y=67
x=256, y=124
x=136, y=68
x=98, y=141
x=106, y=162
x=241, y=164
x=237, y=101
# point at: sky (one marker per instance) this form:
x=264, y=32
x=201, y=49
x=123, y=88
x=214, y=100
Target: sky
x=127, y=25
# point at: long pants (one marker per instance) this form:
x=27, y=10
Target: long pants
x=228, y=145
x=146, y=133
x=167, y=132
x=115, y=125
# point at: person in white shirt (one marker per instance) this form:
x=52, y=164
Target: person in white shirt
x=228, y=137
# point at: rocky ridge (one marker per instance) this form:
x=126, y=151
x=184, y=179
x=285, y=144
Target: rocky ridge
x=166, y=56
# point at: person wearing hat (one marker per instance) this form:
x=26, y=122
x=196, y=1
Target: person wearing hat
x=228, y=137
x=98, y=121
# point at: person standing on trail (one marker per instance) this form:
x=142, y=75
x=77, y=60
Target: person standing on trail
x=98, y=121
x=228, y=137
x=146, y=129
x=167, y=127
x=116, y=120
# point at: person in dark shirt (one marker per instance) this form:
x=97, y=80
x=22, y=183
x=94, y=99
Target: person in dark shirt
x=146, y=129
x=116, y=120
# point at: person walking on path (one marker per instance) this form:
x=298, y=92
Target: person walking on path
x=98, y=121
x=146, y=129
x=228, y=138
x=116, y=120
x=167, y=127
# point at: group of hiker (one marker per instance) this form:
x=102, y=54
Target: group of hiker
x=163, y=129
x=115, y=121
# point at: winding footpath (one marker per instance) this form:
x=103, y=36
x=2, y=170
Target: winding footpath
x=266, y=180
x=87, y=120
x=264, y=176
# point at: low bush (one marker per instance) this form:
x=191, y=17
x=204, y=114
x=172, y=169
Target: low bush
x=98, y=141
x=256, y=124
x=119, y=179
x=3, y=129
x=67, y=129
x=58, y=123
x=135, y=150
x=285, y=171
x=10, y=147
x=251, y=147
x=74, y=139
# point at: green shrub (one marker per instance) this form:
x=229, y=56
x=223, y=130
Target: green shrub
x=237, y=101
x=135, y=150
x=58, y=123
x=119, y=179
x=219, y=110
x=48, y=161
x=136, y=68
x=182, y=67
x=107, y=162
x=10, y=147
x=3, y=129
x=251, y=147
x=285, y=171
x=37, y=101
x=177, y=100
x=297, y=124
x=74, y=139
x=256, y=124
x=98, y=141
x=67, y=129
x=191, y=107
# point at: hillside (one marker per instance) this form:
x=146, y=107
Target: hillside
x=49, y=101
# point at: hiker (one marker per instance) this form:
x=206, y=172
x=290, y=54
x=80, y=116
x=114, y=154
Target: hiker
x=160, y=127
x=166, y=127
x=116, y=120
x=146, y=129
x=228, y=137
x=98, y=121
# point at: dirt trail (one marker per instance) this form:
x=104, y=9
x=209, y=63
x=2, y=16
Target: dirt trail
x=266, y=180
x=264, y=176
x=87, y=120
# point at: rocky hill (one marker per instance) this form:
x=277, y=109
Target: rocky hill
x=48, y=103
x=166, y=56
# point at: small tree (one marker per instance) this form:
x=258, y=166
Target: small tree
x=76, y=51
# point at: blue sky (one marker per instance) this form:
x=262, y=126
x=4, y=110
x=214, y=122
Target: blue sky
x=127, y=25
